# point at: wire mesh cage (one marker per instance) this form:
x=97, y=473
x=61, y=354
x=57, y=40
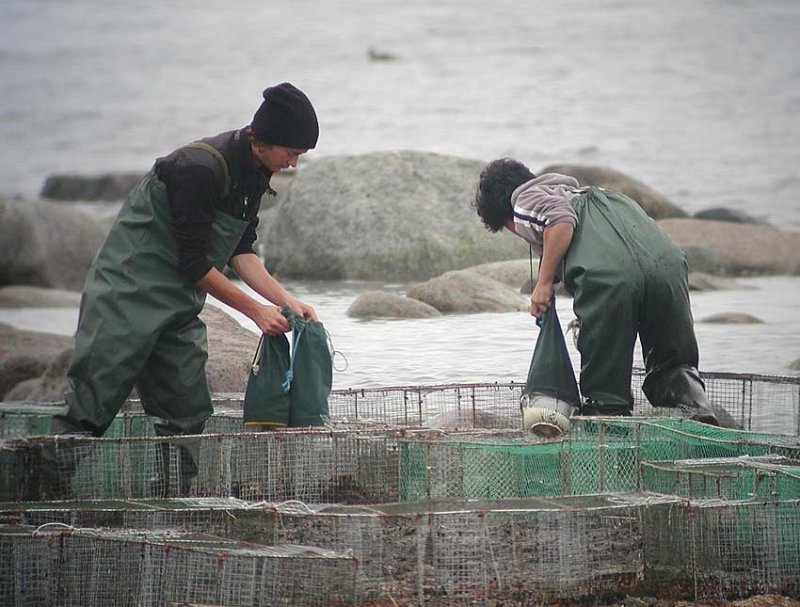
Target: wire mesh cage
x=724, y=549
x=433, y=552
x=155, y=567
x=735, y=478
x=429, y=495
x=354, y=465
x=223, y=517
x=599, y=455
x=754, y=402
x=310, y=465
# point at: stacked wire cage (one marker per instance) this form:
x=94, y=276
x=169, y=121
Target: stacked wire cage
x=430, y=494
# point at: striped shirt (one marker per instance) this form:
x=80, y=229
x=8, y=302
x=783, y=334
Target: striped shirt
x=542, y=202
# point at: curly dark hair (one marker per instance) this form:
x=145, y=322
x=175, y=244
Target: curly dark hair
x=498, y=181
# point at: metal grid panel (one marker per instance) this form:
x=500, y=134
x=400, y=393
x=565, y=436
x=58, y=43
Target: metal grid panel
x=354, y=466
x=155, y=567
x=98, y=571
x=26, y=574
x=716, y=549
x=726, y=478
x=443, y=552
x=462, y=405
x=599, y=455
x=756, y=402
x=525, y=467
x=386, y=549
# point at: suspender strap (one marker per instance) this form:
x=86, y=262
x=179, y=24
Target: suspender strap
x=200, y=145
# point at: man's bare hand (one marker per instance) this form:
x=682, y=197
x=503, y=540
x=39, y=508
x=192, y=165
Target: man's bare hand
x=541, y=297
x=270, y=320
x=301, y=309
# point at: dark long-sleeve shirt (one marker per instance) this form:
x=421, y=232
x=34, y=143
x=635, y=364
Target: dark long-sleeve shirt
x=195, y=180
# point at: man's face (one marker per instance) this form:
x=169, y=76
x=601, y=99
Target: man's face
x=275, y=157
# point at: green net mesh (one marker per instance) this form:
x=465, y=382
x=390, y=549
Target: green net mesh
x=602, y=455
x=428, y=495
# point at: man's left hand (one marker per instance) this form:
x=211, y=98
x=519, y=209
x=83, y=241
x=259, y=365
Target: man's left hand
x=301, y=309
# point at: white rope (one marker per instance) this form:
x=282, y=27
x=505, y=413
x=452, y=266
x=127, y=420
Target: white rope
x=40, y=528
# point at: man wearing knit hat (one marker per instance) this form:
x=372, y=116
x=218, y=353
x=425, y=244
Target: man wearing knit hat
x=195, y=212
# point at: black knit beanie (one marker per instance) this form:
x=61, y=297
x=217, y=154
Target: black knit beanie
x=286, y=118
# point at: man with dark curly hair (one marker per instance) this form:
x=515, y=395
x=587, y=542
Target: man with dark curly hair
x=626, y=276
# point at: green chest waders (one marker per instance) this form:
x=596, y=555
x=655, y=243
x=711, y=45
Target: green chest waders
x=627, y=278
x=139, y=325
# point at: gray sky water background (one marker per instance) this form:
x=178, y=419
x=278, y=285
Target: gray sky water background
x=700, y=99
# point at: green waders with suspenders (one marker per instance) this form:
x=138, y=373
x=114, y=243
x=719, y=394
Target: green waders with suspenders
x=629, y=278
x=139, y=326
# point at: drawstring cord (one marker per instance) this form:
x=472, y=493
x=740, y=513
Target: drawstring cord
x=296, y=335
x=295, y=322
x=254, y=366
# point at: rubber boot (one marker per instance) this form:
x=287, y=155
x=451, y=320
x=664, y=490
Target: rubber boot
x=187, y=467
x=591, y=408
x=682, y=388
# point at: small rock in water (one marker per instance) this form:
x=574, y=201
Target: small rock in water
x=732, y=318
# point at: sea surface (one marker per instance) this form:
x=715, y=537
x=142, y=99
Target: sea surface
x=699, y=99
x=489, y=347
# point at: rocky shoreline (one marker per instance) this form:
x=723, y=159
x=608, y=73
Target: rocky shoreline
x=402, y=216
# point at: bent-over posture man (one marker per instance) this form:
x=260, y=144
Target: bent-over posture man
x=626, y=276
x=194, y=212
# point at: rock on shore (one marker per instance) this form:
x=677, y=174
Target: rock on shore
x=107, y=186
x=46, y=244
x=654, y=204
x=26, y=356
x=379, y=304
x=743, y=248
x=33, y=365
x=387, y=215
x=465, y=291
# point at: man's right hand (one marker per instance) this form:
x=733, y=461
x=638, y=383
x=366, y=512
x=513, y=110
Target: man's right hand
x=541, y=297
x=270, y=320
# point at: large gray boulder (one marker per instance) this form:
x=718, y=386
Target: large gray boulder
x=743, y=248
x=38, y=297
x=467, y=292
x=654, y=204
x=231, y=348
x=33, y=365
x=48, y=387
x=386, y=215
x=732, y=318
x=516, y=273
x=727, y=214
x=26, y=355
x=107, y=186
x=513, y=272
x=703, y=259
x=45, y=244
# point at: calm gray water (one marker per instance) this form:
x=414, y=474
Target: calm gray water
x=498, y=347
x=697, y=98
